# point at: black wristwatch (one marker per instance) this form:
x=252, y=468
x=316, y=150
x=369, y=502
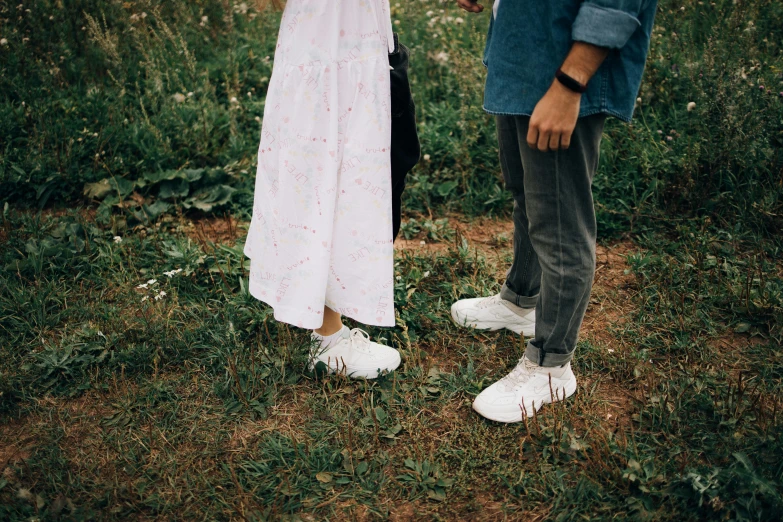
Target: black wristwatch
x=570, y=83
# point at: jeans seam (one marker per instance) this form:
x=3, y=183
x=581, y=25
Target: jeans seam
x=559, y=244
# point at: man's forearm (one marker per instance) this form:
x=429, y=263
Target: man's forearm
x=583, y=61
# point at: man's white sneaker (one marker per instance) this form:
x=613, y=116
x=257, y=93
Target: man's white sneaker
x=494, y=313
x=355, y=356
x=523, y=391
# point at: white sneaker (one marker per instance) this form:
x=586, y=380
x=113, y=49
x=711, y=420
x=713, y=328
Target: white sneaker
x=356, y=356
x=494, y=313
x=523, y=391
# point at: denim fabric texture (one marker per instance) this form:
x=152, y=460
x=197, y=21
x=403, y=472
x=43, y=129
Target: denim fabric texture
x=405, y=147
x=554, y=232
x=530, y=39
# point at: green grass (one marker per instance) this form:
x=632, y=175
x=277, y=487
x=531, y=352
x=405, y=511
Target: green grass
x=115, y=405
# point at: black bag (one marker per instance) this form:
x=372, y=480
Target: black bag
x=405, y=147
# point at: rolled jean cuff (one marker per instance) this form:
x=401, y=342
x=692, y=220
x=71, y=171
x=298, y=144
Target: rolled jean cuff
x=547, y=360
x=521, y=301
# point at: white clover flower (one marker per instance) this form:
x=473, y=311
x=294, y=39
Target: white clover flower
x=204, y=20
x=691, y=106
x=117, y=239
x=442, y=57
x=179, y=97
x=429, y=14
x=3, y=41
x=399, y=278
x=234, y=99
x=426, y=157
x=459, y=20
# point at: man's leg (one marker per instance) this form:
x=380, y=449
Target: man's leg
x=523, y=280
x=558, y=205
x=514, y=307
x=562, y=230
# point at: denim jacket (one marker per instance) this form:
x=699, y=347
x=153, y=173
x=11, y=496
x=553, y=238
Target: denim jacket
x=530, y=39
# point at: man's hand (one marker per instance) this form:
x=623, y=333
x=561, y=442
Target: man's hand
x=554, y=119
x=470, y=6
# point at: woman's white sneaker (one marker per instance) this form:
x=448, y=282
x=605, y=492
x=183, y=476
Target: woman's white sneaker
x=523, y=391
x=355, y=356
x=494, y=313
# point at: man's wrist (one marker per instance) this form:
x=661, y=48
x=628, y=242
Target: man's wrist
x=569, y=82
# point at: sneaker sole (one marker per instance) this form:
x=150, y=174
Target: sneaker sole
x=517, y=416
x=527, y=331
x=356, y=374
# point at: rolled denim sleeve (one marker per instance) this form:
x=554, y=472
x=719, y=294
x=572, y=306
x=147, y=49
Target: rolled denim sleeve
x=606, y=23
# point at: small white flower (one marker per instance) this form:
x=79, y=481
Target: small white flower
x=611, y=350
x=190, y=95
x=399, y=278
x=427, y=273
x=638, y=100
x=179, y=97
x=3, y=41
x=426, y=157
x=145, y=298
x=117, y=239
x=160, y=296
x=258, y=119
x=142, y=286
x=691, y=106
x=459, y=20
x=172, y=273
x=152, y=281
x=204, y=20
x=396, y=22
x=442, y=57
x=422, y=242
x=234, y=99
x=144, y=15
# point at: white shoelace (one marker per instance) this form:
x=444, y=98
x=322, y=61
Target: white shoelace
x=360, y=340
x=490, y=301
x=519, y=375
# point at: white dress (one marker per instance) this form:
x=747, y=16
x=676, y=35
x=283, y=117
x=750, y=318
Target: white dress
x=321, y=231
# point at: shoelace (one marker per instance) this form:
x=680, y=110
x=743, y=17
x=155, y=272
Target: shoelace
x=360, y=340
x=519, y=375
x=489, y=301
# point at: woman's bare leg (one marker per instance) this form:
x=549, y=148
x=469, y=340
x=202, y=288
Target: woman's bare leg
x=332, y=323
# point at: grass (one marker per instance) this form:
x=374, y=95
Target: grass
x=115, y=405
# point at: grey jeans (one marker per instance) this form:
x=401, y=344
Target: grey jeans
x=554, y=232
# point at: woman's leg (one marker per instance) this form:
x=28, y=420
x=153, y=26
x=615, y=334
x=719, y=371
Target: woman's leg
x=332, y=323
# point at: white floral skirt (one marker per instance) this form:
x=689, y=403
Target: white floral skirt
x=321, y=232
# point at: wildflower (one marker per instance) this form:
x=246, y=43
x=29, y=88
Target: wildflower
x=204, y=20
x=145, y=298
x=143, y=286
x=761, y=87
x=422, y=242
x=396, y=22
x=152, y=281
x=427, y=273
x=179, y=97
x=160, y=296
x=234, y=99
x=429, y=14
x=258, y=119
x=190, y=94
x=143, y=15
x=669, y=138
x=399, y=278
x=172, y=273
x=134, y=17
x=117, y=239
x=3, y=41
x=426, y=157
x=659, y=131
x=691, y=106
x=459, y=20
